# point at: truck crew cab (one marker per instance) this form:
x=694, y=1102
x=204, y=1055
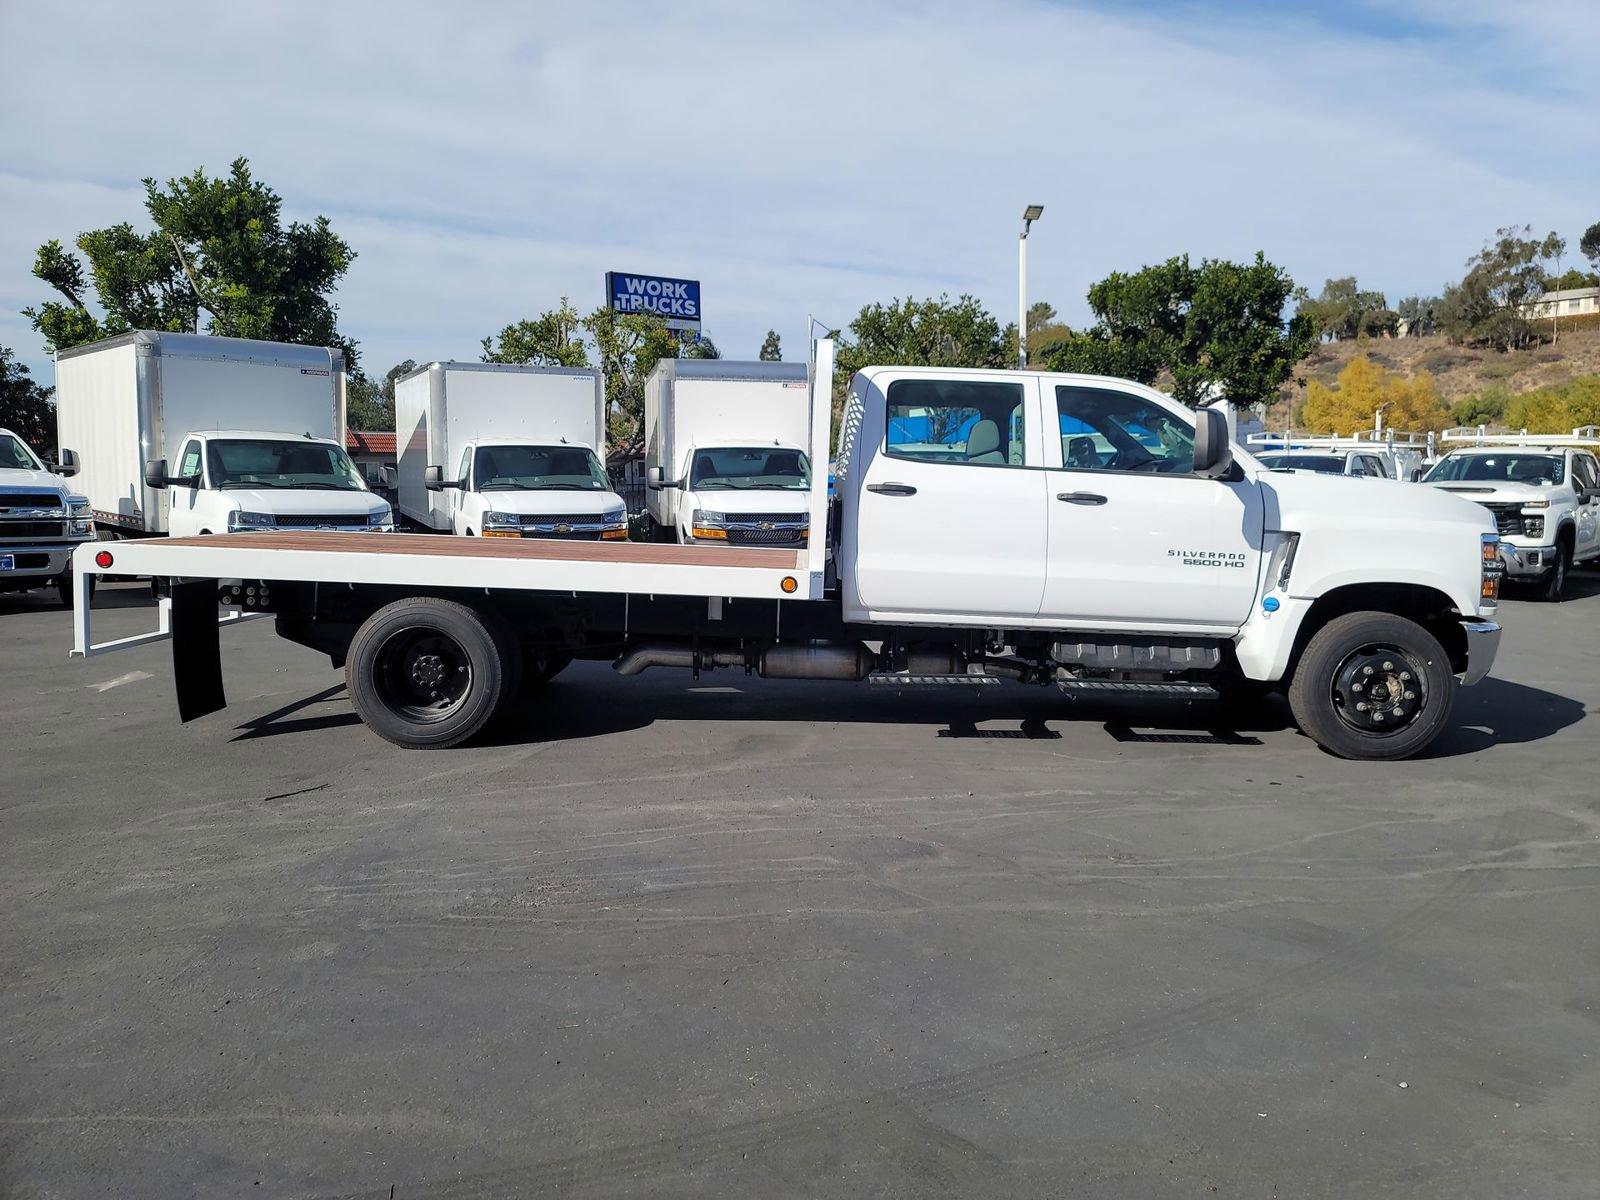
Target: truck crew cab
x=42, y=520
x=1543, y=492
x=975, y=539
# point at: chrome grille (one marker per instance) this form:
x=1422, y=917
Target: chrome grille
x=766, y=537
x=29, y=500
x=313, y=520
x=563, y=518
x=34, y=530
x=1508, y=520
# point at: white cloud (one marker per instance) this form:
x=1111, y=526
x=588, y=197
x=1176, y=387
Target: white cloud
x=485, y=161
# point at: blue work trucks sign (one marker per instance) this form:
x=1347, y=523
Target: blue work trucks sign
x=678, y=300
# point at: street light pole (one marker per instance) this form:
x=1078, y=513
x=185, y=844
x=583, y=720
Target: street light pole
x=1029, y=215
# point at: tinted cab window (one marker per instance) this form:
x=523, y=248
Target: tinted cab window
x=1114, y=431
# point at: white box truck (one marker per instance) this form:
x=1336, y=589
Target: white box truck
x=184, y=434
x=505, y=450
x=725, y=460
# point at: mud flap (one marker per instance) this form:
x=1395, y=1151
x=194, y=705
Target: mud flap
x=196, y=649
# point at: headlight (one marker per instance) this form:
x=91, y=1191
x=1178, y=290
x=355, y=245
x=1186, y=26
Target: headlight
x=500, y=520
x=620, y=517
x=383, y=518
x=81, y=508
x=251, y=520
x=712, y=525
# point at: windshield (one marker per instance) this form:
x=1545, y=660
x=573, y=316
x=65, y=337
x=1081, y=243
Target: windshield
x=1541, y=470
x=1326, y=464
x=750, y=467
x=524, y=468
x=259, y=463
x=15, y=456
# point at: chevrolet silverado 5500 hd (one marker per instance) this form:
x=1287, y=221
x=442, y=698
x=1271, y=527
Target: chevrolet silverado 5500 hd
x=970, y=541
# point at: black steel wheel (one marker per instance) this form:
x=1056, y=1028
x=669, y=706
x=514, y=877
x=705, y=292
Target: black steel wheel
x=1372, y=685
x=426, y=673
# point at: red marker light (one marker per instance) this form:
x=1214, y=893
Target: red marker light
x=103, y=559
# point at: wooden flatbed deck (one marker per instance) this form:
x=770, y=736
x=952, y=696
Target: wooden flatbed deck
x=523, y=549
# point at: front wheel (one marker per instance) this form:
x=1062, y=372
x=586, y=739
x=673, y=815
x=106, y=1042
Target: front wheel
x=1372, y=685
x=1553, y=584
x=426, y=673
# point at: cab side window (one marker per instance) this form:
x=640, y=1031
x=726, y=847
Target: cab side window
x=952, y=421
x=1103, y=430
x=189, y=462
x=1584, y=471
x=465, y=469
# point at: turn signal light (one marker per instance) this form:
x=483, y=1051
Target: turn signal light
x=701, y=532
x=516, y=533
x=613, y=534
x=103, y=559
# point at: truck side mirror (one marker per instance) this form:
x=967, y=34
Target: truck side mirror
x=68, y=464
x=391, y=475
x=1213, y=455
x=155, y=474
x=433, y=479
x=652, y=479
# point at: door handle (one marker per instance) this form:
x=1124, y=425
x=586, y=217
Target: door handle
x=1081, y=497
x=892, y=489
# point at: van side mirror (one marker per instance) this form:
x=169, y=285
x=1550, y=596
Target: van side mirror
x=653, y=481
x=1213, y=454
x=433, y=479
x=155, y=474
x=391, y=475
x=67, y=464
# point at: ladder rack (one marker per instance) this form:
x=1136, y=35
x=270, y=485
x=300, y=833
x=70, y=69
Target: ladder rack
x=1583, y=436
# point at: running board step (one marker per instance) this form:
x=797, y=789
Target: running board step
x=892, y=679
x=1190, y=691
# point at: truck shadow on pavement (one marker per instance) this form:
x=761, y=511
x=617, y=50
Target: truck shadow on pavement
x=587, y=702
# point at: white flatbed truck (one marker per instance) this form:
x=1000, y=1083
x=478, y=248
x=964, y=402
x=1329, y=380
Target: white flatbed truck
x=1176, y=567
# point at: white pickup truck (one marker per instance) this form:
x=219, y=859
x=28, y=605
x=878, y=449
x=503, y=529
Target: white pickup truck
x=41, y=519
x=1543, y=492
x=1175, y=567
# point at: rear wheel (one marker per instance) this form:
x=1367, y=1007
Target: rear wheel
x=426, y=673
x=1372, y=685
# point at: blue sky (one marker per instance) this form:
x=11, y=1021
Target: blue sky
x=485, y=160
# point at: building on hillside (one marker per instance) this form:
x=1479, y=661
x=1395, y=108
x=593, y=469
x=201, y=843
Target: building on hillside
x=371, y=453
x=1571, y=302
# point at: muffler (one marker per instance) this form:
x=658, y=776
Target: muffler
x=818, y=660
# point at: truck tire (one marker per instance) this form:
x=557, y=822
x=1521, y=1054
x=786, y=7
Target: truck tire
x=1372, y=685
x=1553, y=583
x=425, y=673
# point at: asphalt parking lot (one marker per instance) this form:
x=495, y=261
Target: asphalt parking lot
x=728, y=937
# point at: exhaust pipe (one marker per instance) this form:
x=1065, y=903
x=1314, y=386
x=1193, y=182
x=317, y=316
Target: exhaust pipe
x=642, y=658
x=820, y=660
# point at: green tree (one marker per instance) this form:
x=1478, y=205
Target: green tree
x=26, y=408
x=933, y=332
x=771, y=350
x=1589, y=244
x=1044, y=329
x=369, y=406
x=625, y=346
x=1572, y=277
x=218, y=246
x=552, y=339
x=1485, y=308
x=1344, y=311
x=1216, y=328
x=1420, y=314
x=1488, y=407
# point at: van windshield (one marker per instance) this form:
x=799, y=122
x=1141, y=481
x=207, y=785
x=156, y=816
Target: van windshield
x=526, y=468
x=270, y=463
x=752, y=467
x=14, y=456
x=1542, y=470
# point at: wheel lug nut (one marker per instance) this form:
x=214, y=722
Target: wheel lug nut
x=1378, y=715
x=1366, y=670
x=1404, y=675
x=1388, y=666
x=1362, y=707
x=1356, y=687
x=1411, y=695
x=1398, y=711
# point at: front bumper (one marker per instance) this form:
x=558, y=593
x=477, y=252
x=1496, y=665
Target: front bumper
x=35, y=563
x=1483, y=643
x=1526, y=562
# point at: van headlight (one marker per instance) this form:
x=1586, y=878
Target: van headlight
x=382, y=520
x=500, y=520
x=706, y=524
x=251, y=520
x=614, y=525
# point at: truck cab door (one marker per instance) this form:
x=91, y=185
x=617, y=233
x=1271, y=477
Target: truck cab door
x=950, y=511
x=1586, y=483
x=184, y=515
x=1135, y=537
